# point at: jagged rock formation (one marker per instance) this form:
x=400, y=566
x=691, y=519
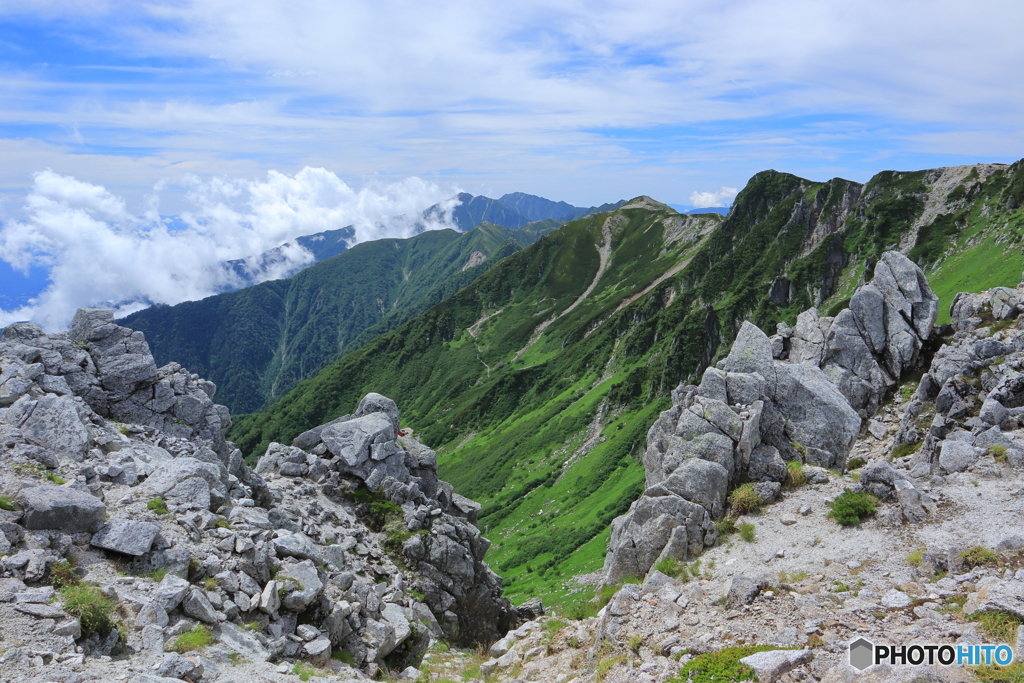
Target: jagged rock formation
x=352, y=545
x=800, y=396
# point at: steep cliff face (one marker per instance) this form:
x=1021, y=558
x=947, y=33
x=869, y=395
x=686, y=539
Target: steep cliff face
x=120, y=469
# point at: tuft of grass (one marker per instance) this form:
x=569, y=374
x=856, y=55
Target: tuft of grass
x=343, y=656
x=674, y=568
x=999, y=625
x=722, y=666
x=196, y=639
x=157, y=506
x=159, y=574
x=793, y=577
x=1014, y=673
x=726, y=526
x=915, y=558
x=54, y=478
x=904, y=449
x=223, y=523
x=303, y=671
x=210, y=584
x=795, y=475
x=744, y=499
x=747, y=532
x=850, y=508
x=979, y=556
x=998, y=452
x=95, y=611
x=856, y=463
x=634, y=643
x=7, y=503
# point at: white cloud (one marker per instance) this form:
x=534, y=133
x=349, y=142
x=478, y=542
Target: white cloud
x=705, y=200
x=99, y=253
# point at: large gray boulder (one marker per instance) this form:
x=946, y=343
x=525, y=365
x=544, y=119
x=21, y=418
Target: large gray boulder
x=58, y=507
x=53, y=423
x=126, y=536
x=817, y=414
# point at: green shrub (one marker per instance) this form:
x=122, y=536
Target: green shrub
x=1014, y=673
x=720, y=667
x=998, y=452
x=159, y=574
x=634, y=643
x=95, y=611
x=856, y=463
x=747, y=532
x=54, y=478
x=795, y=475
x=744, y=499
x=850, y=508
x=915, y=558
x=157, y=506
x=62, y=575
x=979, y=556
x=198, y=638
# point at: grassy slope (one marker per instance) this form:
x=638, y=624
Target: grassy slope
x=508, y=431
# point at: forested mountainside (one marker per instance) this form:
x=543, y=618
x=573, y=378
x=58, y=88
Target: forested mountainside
x=257, y=342
x=538, y=382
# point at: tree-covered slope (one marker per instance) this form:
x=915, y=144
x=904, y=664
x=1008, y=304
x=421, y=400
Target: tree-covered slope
x=257, y=342
x=537, y=383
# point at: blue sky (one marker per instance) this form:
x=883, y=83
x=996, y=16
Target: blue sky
x=161, y=104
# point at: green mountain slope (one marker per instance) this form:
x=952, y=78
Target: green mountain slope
x=257, y=342
x=537, y=383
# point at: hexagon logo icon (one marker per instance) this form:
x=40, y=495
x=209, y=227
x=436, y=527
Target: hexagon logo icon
x=862, y=654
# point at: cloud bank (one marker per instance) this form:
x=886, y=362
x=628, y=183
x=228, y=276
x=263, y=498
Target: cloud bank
x=101, y=254
x=706, y=200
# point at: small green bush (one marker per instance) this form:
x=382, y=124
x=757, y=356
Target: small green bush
x=744, y=499
x=343, y=656
x=850, y=508
x=979, y=556
x=720, y=667
x=62, y=575
x=674, y=568
x=915, y=558
x=7, y=503
x=998, y=452
x=95, y=611
x=747, y=532
x=157, y=506
x=634, y=643
x=198, y=638
x=54, y=478
x=856, y=463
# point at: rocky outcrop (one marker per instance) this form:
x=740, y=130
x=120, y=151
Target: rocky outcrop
x=800, y=396
x=350, y=544
x=867, y=347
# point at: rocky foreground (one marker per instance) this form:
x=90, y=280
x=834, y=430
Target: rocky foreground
x=137, y=545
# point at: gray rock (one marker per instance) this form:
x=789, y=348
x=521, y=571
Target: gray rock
x=375, y=403
x=771, y=665
x=766, y=464
x=170, y=591
x=176, y=666
x=767, y=491
x=993, y=412
x=301, y=583
x=56, y=507
x=153, y=613
x=894, y=598
x=750, y=353
x=877, y=429
x=197, y=605
x=957, y=456
x=818, y=414
x=742, y=591
x=126, y=536
x=54, y=424
x=702, y=482
x=298, y=545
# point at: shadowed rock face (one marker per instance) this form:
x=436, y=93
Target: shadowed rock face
x=801, y=395
x=351, y=542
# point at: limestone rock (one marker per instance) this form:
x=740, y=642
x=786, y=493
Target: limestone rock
x=126, y=536
x=58, y=507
